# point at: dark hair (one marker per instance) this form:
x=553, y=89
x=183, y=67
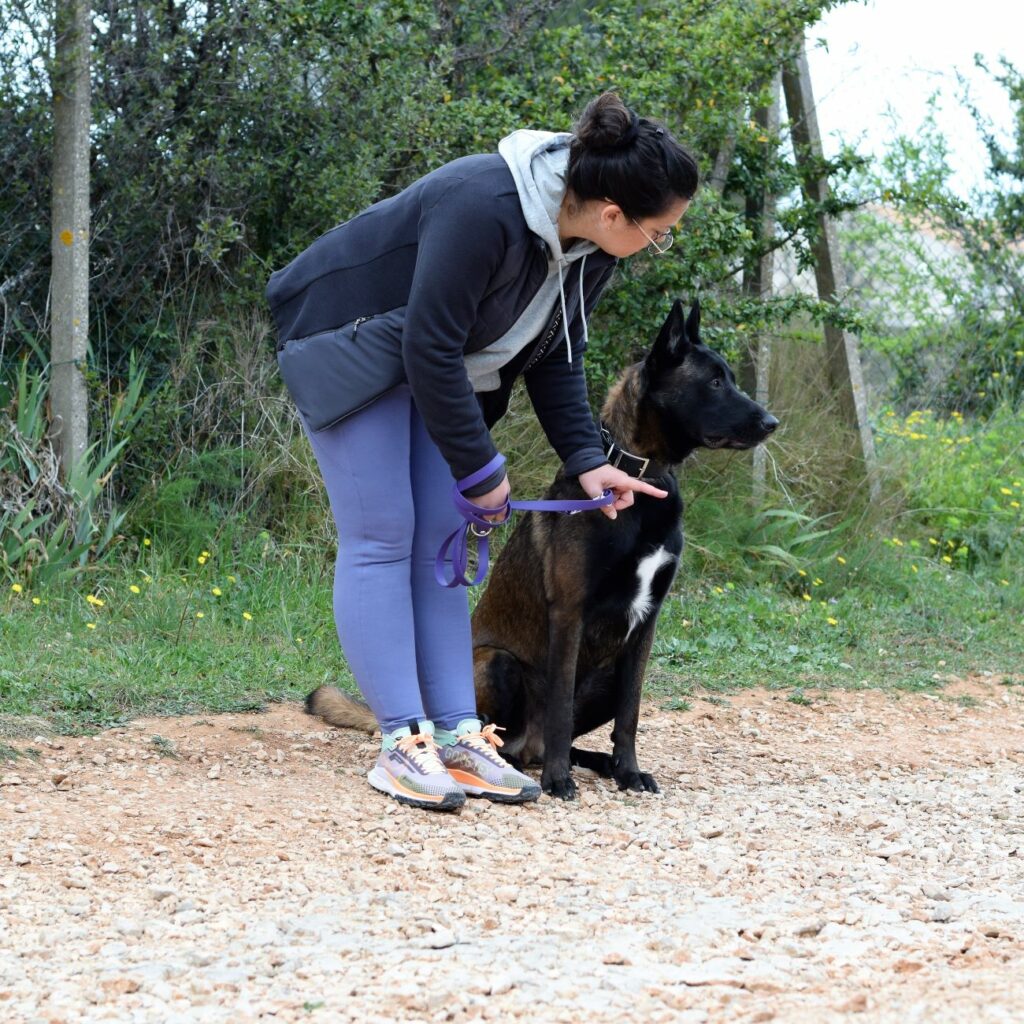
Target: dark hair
x=631, y=160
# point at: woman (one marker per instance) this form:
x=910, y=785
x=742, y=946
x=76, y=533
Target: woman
x=401, y=333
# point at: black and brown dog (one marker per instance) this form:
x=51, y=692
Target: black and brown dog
x=563, y=632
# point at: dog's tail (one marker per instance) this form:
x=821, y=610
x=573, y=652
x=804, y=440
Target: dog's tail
x=339, y=709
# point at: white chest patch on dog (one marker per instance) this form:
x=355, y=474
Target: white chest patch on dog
x=646, y=570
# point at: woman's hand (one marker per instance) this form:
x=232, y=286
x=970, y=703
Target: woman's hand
x=494, y=499
x=607, y=478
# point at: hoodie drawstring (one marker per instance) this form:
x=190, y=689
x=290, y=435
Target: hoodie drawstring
x=565, y=316
x=583, y=312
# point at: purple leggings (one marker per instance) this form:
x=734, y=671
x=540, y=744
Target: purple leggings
x=407, y=639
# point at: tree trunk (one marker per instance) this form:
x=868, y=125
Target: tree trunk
x=69, y=241
x=843, y=355
x=757, y=283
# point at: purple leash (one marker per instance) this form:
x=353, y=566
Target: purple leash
x=456, y=545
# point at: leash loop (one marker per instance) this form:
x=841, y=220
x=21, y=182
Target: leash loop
x=456, y=545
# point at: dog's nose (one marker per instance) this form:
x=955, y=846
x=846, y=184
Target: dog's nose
x=769, y=423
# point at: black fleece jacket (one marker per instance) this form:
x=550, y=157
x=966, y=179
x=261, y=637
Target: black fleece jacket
x=455, y=251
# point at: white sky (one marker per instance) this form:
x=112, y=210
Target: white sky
x=896, y=53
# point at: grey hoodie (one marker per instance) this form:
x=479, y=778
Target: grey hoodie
x=538, y=162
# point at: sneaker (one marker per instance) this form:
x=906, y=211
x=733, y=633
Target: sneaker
x=470, y=755
x=409, y=769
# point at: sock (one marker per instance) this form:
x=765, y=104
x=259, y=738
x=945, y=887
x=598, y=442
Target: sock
x=449, y=737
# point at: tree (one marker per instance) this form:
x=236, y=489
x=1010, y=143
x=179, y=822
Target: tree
x=70, y=231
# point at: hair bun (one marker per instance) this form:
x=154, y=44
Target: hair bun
x=607, y=123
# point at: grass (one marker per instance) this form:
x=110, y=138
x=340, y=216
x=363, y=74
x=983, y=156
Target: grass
x=147, y=638
x=822, y=591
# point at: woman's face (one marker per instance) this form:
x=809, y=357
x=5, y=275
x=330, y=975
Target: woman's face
x=620, y=235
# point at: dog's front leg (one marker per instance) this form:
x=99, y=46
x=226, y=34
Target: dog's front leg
x=629, y=679
x=564, y=631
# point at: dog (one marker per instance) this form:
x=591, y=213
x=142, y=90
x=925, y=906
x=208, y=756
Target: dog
x=563, y=632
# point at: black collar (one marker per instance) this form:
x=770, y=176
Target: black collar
x=634, y=465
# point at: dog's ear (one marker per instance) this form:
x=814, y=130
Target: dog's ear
x=673, y=342
x=693, y=323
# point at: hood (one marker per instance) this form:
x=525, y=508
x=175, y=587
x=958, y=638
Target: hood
x=538, y=162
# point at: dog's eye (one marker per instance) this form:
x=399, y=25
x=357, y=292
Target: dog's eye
x=716, y=382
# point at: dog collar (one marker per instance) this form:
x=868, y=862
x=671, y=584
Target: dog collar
x=617, y=456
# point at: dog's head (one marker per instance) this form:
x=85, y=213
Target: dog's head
x=694, y=393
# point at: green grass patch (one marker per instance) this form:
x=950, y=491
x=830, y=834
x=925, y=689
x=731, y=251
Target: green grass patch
x=151, y=639
x=719, y=637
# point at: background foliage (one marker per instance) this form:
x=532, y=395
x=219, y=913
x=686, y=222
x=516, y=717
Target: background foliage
x=227, y=136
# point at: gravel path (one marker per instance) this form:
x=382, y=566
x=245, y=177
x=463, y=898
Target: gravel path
x=860, y=859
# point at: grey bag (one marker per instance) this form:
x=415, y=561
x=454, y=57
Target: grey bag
x=335, y=373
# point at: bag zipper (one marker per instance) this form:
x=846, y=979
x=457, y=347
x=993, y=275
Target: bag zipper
x=359, y=320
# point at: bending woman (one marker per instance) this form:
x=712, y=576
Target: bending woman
x=401, y=333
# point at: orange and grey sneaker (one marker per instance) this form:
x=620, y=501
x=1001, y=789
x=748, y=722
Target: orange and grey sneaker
x=409, y=769
x=471, y=757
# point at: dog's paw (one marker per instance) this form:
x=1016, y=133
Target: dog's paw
x=637, y=782
x=561, y=786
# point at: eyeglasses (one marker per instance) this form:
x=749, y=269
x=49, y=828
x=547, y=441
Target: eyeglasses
x=660, y=243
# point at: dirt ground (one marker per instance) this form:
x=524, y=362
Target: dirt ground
x=860, y=859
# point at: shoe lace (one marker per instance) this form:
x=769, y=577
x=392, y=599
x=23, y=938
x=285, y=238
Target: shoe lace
x=488, y=733
x=421, y=749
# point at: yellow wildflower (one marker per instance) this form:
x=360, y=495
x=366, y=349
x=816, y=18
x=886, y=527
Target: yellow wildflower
x=216, y=591
x=17, y=588
x=36, y=600
x=840, y=560
x=134, y=589
x=90, y=625
x=1005, y=490
x=247, y=616
x=146, y=543
x=806, y=596
x=947, y=559
x=200, y=615
x=832, y=622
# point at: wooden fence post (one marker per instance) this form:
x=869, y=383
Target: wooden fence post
x=69, y=240
x=842, y=353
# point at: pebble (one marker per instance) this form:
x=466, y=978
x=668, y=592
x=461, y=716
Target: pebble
x=809, y=927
